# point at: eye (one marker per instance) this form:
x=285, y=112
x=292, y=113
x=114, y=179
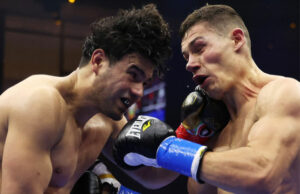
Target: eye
x=136, y=74
x=199, y=50
x=186, y=57
x=198, y=47
x=136, y=77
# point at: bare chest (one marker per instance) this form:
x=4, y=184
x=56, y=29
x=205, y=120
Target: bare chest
x=77, y=151
x=236, y=133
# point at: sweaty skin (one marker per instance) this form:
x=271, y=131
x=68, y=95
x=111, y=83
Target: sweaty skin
x=53, y=128
x=259, y=150
x=47, y=149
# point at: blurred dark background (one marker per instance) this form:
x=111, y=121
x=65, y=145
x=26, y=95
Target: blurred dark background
x=45, y=37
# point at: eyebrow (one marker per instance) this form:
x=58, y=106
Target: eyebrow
x=138, y=69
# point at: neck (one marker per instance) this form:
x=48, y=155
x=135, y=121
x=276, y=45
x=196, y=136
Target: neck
x=83, y=114
x=74, y=90
x=245, y=90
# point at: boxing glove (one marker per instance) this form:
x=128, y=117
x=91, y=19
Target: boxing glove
x=105, y=177
x=201, y=116
x=149, y=141
x=140, y=135
x=108, y=182
x=88, y=183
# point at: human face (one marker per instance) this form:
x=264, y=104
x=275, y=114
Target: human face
x=120, y=85
x=209, y=57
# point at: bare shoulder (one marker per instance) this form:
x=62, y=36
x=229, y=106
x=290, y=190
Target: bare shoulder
x=34, y=89
x=102, y=121
x=43, y=99
x=277, y=126
x=278, y=108
x=38, y=110
x=280, y=96
x=27, y=87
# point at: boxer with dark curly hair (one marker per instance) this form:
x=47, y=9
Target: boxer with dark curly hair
x=53, y=128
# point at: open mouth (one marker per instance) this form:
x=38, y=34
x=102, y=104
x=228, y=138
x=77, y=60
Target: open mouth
x=199, y=80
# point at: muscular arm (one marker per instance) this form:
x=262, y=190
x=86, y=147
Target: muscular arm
x=33, y=129
x=273, y=146
x=195, y=188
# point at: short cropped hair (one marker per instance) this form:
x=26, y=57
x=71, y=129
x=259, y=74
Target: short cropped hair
x=137, y=30
x=222, y=18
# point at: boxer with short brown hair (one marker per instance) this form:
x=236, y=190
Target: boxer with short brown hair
x=259, y=150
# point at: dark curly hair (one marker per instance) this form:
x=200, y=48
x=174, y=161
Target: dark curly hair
x=220, y=17
x=137, y=30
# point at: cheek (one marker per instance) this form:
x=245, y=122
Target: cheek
x=119, y=88
x=212, y=56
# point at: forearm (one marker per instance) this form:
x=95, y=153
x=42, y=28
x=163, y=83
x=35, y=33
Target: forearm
x=152, y=178
x=194, y=187
x=238, y=170
x=149, y=177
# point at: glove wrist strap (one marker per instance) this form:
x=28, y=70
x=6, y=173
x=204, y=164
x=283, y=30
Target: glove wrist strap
x=181, y=156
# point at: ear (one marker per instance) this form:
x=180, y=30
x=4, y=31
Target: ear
x=239, y=38
x=97, y=58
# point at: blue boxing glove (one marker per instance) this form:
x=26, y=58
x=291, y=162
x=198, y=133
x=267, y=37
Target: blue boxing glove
x=150, y=142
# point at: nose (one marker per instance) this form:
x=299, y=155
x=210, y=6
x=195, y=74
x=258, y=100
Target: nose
x=138, y=90
x=192, y=65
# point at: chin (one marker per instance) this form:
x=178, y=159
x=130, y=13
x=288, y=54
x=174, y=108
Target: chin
x=115, y=116
x=215, y=94
x=112, y=113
